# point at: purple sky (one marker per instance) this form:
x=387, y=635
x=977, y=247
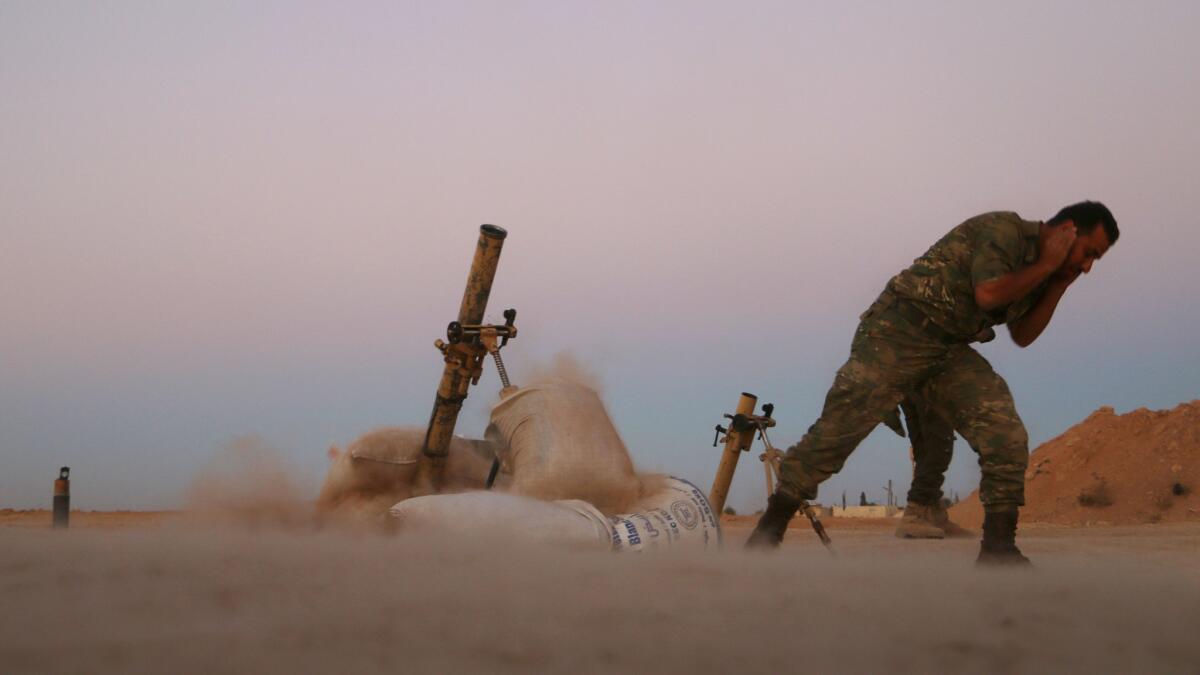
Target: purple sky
x=220, y=219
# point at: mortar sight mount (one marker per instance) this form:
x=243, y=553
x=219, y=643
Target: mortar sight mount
x=744, y=422
x=744, y=425
x=466, y=345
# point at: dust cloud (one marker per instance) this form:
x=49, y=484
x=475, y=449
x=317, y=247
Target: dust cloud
x=255, y=583
x=591, y=461
x=276, y=599
x=249, y=484
x=563, y=366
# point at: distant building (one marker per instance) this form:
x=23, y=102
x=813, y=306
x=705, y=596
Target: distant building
x=872, y=511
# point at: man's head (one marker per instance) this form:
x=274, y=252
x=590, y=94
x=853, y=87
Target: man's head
x=1095, y=231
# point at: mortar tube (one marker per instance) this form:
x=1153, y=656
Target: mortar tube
x=735, y=442
x=62, y=498
x=452, y=390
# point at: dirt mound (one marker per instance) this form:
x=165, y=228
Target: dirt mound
x=1140, y=467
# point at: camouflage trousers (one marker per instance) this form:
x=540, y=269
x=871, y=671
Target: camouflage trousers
x=931, y=433
x=947, y=387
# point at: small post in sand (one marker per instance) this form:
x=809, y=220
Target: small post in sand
x=62, y=498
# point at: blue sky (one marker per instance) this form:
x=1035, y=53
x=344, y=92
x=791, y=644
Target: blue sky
x=229, y=219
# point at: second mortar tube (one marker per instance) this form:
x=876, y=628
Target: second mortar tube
x=735, y=442
x=452, y=390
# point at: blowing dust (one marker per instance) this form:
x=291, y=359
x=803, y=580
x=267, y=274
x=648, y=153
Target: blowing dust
x=249, y=483
x=260, y=584
x=267, y=584
x=553, y=435
x=563, y=366
x=557, y=440
x=231, y=600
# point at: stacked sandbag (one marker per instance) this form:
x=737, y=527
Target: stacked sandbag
x=677, y=516
x=378, y=470
x=557, y=442
x=507, y=518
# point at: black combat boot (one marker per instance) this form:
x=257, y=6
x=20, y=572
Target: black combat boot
x=774, y=521
x=999, y=544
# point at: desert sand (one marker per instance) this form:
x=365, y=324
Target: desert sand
x=160, y=593
x=1110, y=469
x=253, y=581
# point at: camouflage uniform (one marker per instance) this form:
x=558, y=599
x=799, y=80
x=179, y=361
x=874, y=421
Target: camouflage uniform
x=931, y=433
x=911, y=347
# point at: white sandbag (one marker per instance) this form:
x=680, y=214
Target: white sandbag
x=379, y=468
x=511, y=518
x=676, y=517
x=558, y=442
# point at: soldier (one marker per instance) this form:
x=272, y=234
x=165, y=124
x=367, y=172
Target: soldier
x=912, y=344
x=931, y=433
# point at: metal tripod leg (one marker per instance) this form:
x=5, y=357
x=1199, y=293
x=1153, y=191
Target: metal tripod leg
x=771, y=459
x=495, y=351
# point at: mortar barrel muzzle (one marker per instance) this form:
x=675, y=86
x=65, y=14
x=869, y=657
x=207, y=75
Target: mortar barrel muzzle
x=483, y=272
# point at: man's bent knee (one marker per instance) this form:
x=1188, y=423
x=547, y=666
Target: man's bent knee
x=796, y=480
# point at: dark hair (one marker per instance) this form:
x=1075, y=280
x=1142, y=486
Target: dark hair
x=1086, y=216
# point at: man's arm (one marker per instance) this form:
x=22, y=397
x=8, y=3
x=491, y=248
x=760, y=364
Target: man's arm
x=1027, y=328
x=1008, y=288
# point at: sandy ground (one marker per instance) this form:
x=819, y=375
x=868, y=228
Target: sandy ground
x=40, y=518
x=162, y=595
x=1110, y=469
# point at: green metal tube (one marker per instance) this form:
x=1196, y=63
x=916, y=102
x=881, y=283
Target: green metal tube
x=456, y=376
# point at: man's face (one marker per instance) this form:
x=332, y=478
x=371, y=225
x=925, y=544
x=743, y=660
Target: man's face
x=1087, y=249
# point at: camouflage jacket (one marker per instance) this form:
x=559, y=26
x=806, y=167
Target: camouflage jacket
x=942, y=282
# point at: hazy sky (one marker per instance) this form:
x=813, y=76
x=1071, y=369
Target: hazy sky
x=220, y=219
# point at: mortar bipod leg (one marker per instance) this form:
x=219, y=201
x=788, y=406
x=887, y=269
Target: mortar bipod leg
x=773, y=465
x=488, y=337
x=767, y=470
x=770, y=459
x=817, y=527
x=774, y=457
